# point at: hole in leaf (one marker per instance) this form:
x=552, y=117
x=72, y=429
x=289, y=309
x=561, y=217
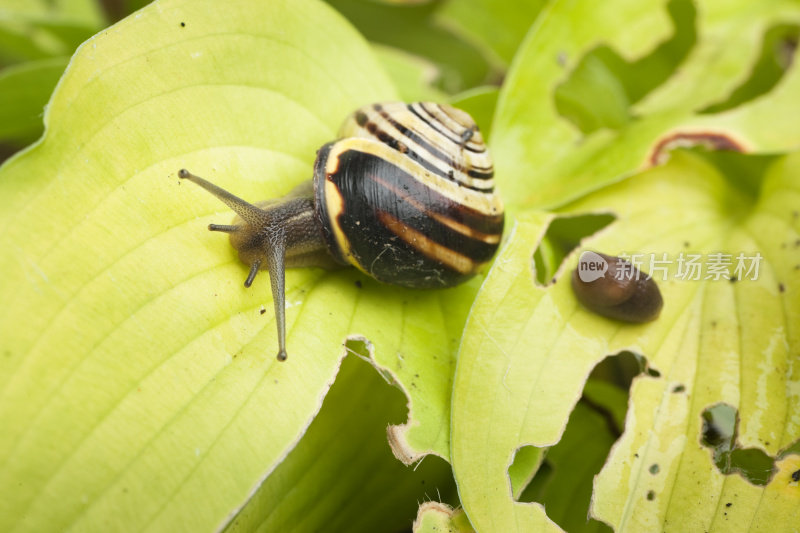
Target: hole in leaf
x=569, y=467
x=720, y=433
x=343, y=446
x=793, y=449
x=362, y=348
x=564, y=235
x=528, y=461
x=652, y=372
x=620, y=369
x=603, y=86
x=719, y=427
x=777, y=54
x=755, y=465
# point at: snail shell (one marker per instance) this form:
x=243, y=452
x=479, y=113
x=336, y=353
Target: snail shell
x=407, y=197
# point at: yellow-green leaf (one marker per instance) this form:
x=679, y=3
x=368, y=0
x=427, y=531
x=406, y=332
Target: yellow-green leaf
x=138, y=383
x=528, y=349
x=531, y=138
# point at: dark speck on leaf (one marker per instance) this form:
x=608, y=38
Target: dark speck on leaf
x=728, y=504
x=685, y=244
x=183, y=24
x=796, y=476
x=358, y=283
x=654, y=468
x=733, y=279
x=651, y=495
x=679, y=388
x=781, y=287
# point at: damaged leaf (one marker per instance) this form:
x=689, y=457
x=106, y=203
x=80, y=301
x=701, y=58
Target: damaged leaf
x=125, y=333
x=716, y=340
x=529, y=346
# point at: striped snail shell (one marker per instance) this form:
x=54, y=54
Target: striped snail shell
x=406, y=195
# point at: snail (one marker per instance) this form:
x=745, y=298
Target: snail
x=406, y=195
x=614, y=288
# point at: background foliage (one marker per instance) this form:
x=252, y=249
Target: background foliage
x=138, y=386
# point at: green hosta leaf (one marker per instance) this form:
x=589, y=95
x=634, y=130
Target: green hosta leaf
x=609, y=398
x=35, y=29
x=593, y=81
x=88, y=11
x=531, y=138
x=413, y=75
x=601, y=86
x=36, y=40
x=527, y=352
x=528, y=349
x=413, y=27
x=138, y=381
x=121, y=8
x=735, y=343
x=24, y=89
x=497, y=26
x=479, y=102
x=481, y=395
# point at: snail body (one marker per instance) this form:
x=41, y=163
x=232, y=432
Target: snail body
x=406, y=195
x=616, y=289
